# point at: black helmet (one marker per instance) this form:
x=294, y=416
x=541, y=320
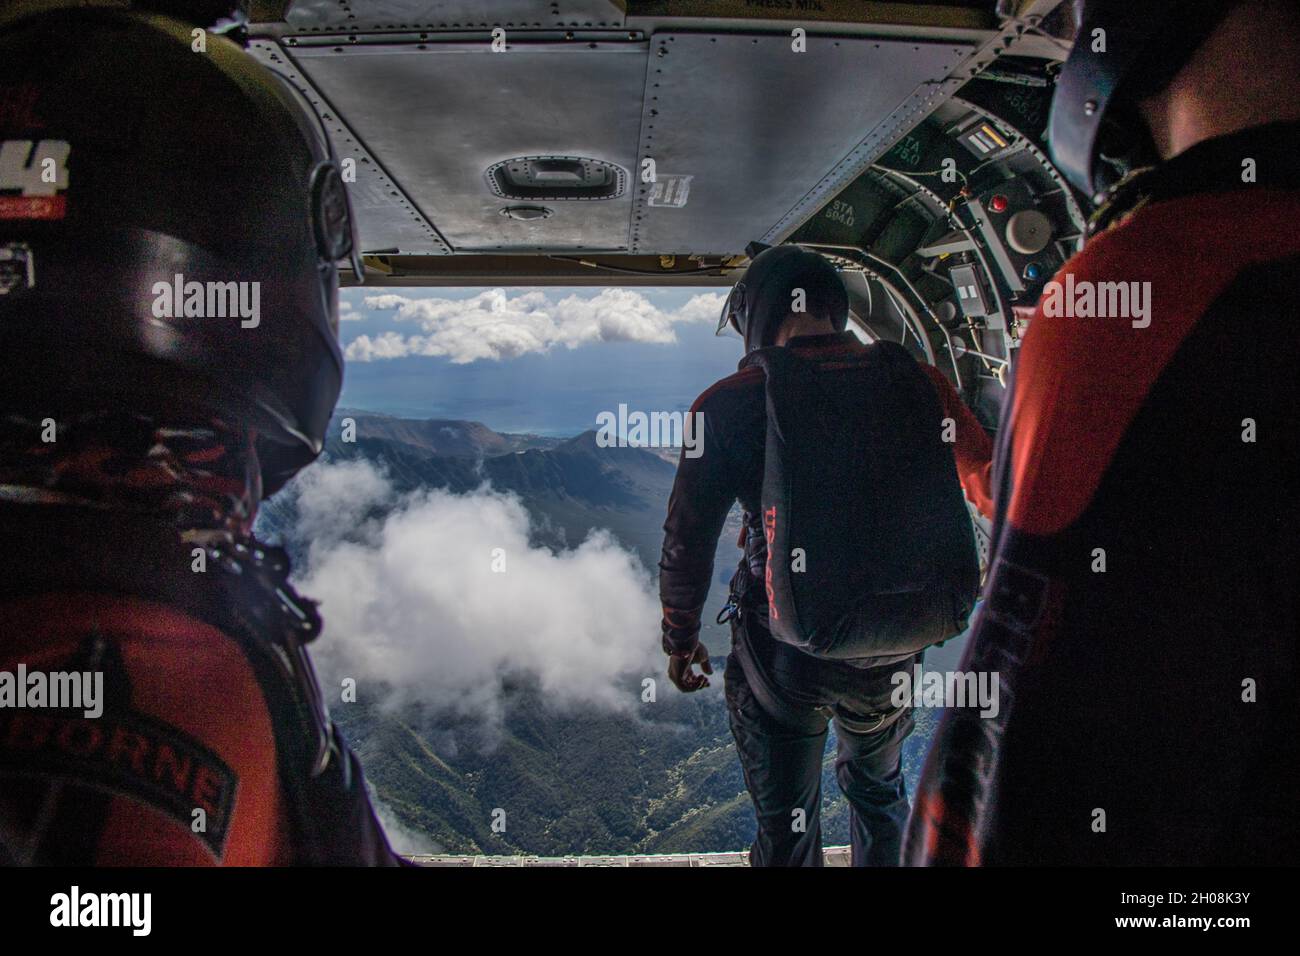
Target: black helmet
x=170, y=226
x=759, y=302
x=1146, y=43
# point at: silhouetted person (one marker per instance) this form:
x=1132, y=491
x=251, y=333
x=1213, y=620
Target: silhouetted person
x=869, y=498
x=168, y=336
x=1141, y=605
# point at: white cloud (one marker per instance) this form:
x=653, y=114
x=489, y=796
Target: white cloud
x=497, y=325
x=414, y=610
x=348, y=312
x=334, y=500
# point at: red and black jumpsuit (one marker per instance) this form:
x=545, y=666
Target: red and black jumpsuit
x=1141, y=608
x=209, y=743
x=208, y=750
x=778, y=697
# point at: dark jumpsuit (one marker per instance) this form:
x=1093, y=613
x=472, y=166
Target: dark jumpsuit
x=779, y=698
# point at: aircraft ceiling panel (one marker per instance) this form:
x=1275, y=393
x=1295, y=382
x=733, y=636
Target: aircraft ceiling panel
x=386, y=219
x=743, y=129
x=451, y=14
x=439, y=116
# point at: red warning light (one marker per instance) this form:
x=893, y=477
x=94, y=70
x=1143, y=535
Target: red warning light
x=998, y=203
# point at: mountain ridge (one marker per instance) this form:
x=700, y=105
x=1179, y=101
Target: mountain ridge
x=663, y=779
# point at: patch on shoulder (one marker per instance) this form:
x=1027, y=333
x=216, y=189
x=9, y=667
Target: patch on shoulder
x=124, y=753
x=131, y=755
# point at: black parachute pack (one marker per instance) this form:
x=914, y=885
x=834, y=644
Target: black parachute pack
x=870, y=550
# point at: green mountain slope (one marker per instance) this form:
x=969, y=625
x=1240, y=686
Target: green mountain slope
x=661, y=778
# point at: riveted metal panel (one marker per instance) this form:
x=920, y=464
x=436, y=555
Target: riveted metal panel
x=767, y=134
x=437, y=116
x=387, y=219
x=367, y=15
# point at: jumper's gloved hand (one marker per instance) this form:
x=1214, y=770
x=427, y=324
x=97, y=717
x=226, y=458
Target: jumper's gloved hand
x=682, y=674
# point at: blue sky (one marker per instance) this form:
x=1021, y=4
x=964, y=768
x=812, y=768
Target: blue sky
x=530, y=360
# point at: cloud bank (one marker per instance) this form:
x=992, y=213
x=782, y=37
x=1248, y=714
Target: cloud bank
x=497, y=325
x=414, y=610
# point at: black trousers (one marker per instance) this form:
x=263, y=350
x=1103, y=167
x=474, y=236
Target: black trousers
x=779, y=706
